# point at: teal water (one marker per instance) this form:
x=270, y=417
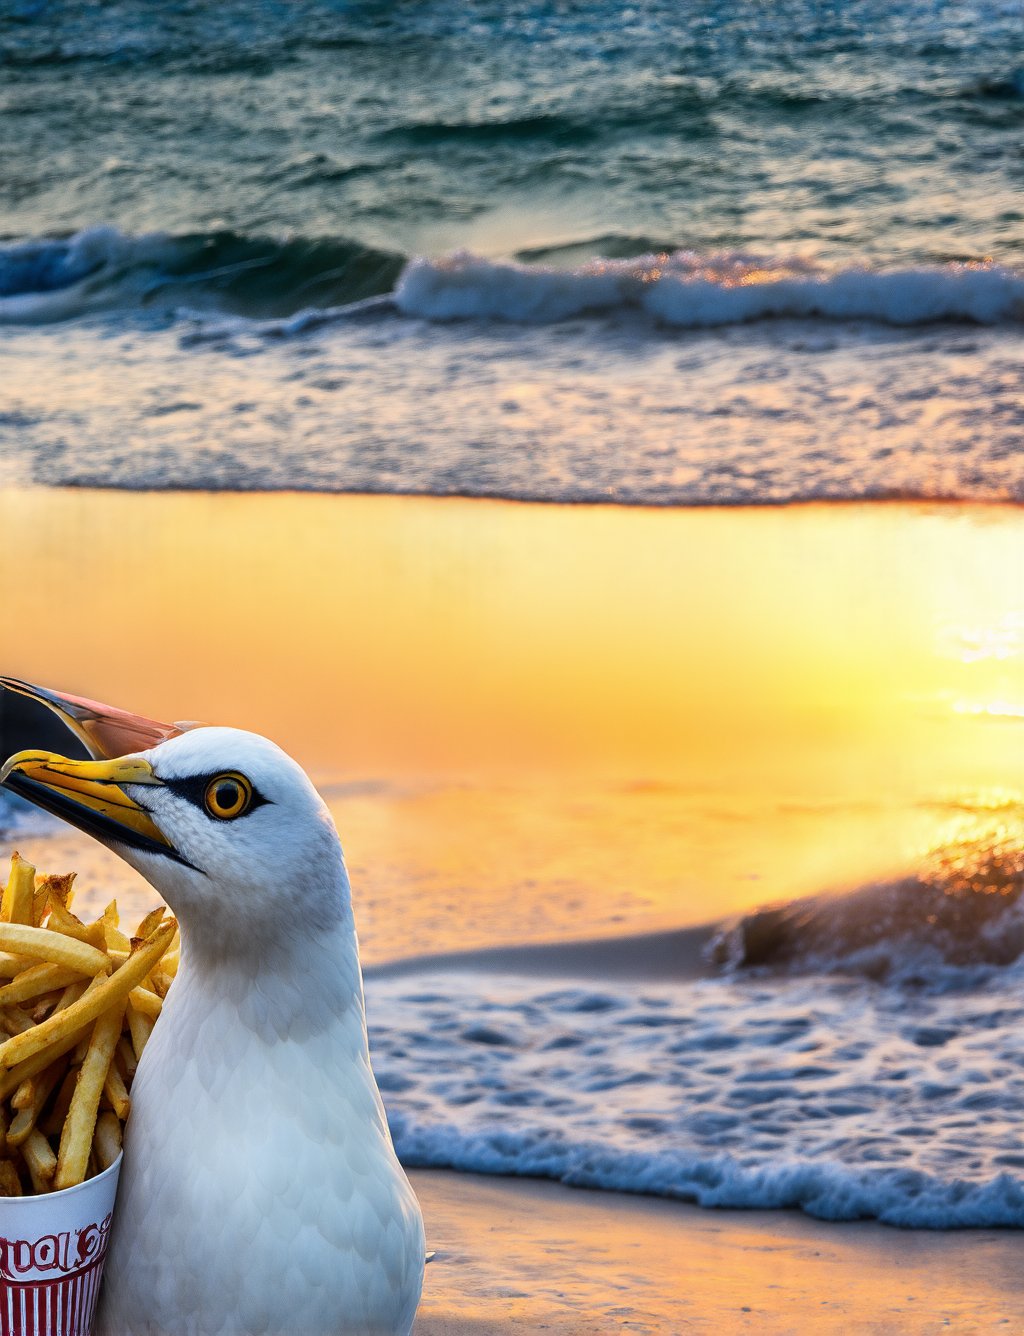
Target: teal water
x=868, y=130
x=669, y=253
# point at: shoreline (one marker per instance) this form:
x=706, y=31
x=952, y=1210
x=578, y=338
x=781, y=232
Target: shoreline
x=675, y=955
x=523, y=1255
x=912, y=502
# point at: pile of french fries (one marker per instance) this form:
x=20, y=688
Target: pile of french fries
x=78, y=1002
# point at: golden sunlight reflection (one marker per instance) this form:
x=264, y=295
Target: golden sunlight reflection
x=976, y=855
x=591, y=719
x=993, y=709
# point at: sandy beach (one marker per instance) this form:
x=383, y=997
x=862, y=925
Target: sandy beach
x=530, y=1257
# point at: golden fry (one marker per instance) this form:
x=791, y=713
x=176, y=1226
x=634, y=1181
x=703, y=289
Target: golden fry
x=140, y=1027
x=172, y=959
x=115, y=938
x=41, y=1087
x=10, y=1183
x=161, y=981
x=127, y=1062
x=13, y=1020
x=146, y=1003
x=54, y=1120
x=94, y=1001
x=25, y=1093
x=38, y=1062
x=12, y=965
x=12, y=1079
x=151, y=922
x=39, y=1160
x=35, y=981
x=49, y=890
x=62, y=920
x=76, y=1138
x=78, y=1002
x=117, y=1093
x=43, y=1006
x=107, y=1141
x=54, y=947
x=16, y=904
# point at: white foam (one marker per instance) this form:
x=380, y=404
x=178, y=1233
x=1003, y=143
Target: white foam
x=46, y=280
x=692, y=291
x=838, y=1096
x=827, y=1191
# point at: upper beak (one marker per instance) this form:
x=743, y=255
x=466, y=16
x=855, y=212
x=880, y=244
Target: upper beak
x=81, y=779
x=89, y=795
x=33, y=716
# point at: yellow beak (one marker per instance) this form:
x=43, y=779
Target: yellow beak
x=89, y=794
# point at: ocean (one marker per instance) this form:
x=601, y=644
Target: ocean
x=557, y=252
x=699, y=254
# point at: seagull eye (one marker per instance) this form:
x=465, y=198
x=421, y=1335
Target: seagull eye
x=228, y=796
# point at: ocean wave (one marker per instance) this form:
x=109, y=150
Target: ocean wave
x=688, y=290
x=288, y=286
x=98, y=269
x=835, y=1095
x=827, y=1191
x=956, y=919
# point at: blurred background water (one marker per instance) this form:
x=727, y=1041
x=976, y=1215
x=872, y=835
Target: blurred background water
x=240, y=225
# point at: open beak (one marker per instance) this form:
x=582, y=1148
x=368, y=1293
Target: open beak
x=85, y=788
x=88, y=794
x=33, y=716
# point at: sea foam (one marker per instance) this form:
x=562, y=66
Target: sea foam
x=297, y=282
x=842, y=1097
x=862, y=1056
x=688, y=290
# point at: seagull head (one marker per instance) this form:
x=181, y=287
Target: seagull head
x=225, y=825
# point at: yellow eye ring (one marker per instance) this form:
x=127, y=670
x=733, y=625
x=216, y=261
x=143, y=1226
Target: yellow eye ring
x=228, y=796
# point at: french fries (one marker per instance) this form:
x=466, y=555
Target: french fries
x=78, y=1002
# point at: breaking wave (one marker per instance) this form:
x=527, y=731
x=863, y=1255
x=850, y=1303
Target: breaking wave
x=860, y=1058
x=46, y=279
x=832, y=1094
x=299, y=281
x=828, y=1191
x=962, y=914
x=688, y=290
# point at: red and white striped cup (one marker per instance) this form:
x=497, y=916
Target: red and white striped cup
x=52, y=1250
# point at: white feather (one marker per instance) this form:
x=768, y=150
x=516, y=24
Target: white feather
x=260, y=1193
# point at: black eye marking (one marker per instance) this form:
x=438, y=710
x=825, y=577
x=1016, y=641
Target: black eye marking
x=224, y=795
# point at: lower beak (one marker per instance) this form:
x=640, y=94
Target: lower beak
x=90, y=795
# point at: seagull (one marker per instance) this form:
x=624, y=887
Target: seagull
x=260, y=1193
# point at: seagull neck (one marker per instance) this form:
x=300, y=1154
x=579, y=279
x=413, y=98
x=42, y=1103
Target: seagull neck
x=250, y=914
x=219, y=941
x=283, y=988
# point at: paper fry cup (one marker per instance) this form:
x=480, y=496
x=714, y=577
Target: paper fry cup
x=52, y=1249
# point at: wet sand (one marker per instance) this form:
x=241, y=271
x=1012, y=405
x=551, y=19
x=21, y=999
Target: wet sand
x=526, y=1256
